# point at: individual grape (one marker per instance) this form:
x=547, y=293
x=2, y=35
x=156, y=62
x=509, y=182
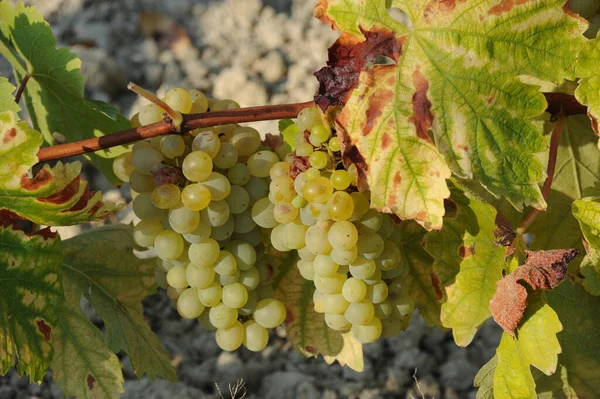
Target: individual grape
x=306, y=269
x=337, y=322
x=269, y=313
x=238, y=199
x=267, y=269
x=256, y=337
x=250, y=278
x=224, y=105
x=387, y=228
x=182, y=220
x=317, y=240
x=167, y=196
x=235, y=295
x=403, y=306
x=226, y=157
x=208, y=142
x=244, y=224
x=370, y=245
x=261, y=162
x=306, y=217
x=317, y=190
x=250, y=305
x=188, y=304
x=360, y=312
x=318, y=159
x=377, y=292
x=343, y=236
x=239, y=174
x=312, y=173
x=371, y=221
x=123, y=166
x=299, y=202
x=334, y=303
x=390, y=257
x=340, y=206
x=145, y=232
x=394, y=273
x=330, y=284
x=362, y=268
x=324, y=265
x=179, y=99
x=223, y=232
x=164, y=264
x=279, y=169
x=334, y=144
x=144, y=159
x=244, y=254
x=150, y=113
x=172, y=146
x=304, y=149
x=222, y=316
x=230, y=338
x=216, y=213
x=195, y=196
x=197, y=166
x=281, y=190
x=300, y=182
x=383, y=310
x=361, y=205
x=257, y=188
x=354, y=290
x=168, y=245
x=183, y=259
x=246, y=141
x=144, y=208
x=226, y=280
x=204, y=321
x=204, y=253
x=294, y=235
x=199, y=102
x=308, y=118
x=318, y=135
x=285, y=213
x=253, y=237
x=218, y=185
x=201, y=233
x=277, y=239
x=340, y=179
x=225, y=264
x=319, y=211
x=141, y=183
x=176, y=277
x=369, y=332
x=262, y=213
x=199, y=276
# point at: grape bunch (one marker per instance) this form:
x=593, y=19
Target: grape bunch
x=202, y=199
x=345, y=247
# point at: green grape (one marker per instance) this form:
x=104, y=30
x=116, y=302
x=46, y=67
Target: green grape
x=224, y=279
x=317, y=190
x=141, y=183
x=256, y=337
x=370, y=245
x=318, y=159
x=261, y=162
x=277, y=239
x=144, y=208
x=226, y=157
x=337, y=322
x=308, y=118
x=383, y=310
x=176, y=277
x=144, y=159
x=340, y=179
x=172, y=146
x=244, y=254
x=222, y=316
x=305, y=254
x=224, y=105
x=354, y=290
x=250, y=305
x=166, y=196
x=344, y=257
x=269, y=313
x=142, y=144
x=174, y=293
x=319, y=211
x=334, y=144
x=262, y=213
x=306, y=269
x=238, y=199
x=179, y=99
x=134, y=121
x=316, y=238
x=150, y=113
x=145, y=232
x=340, y=206
x=264, y=291
x=188, y=304
x=253, y=237
x=216, y=213
x=123, y=166
x=182, y=220
x=392, y=326
x=199, y=276
x=387, y=228
x=204, y=253
x=363, y=268
x=246, y=140
x=199, y=102
x=330, y=284
x=204, y=321
x=197, y=166
x=225, y=264
x=244, y=224
x=294, y=235
x=392, y=274
x=207, y=142
x=223, y=232
x=257, y=188
x=168, y=245
x=334, y=303
x=230, y=338
x=353, y=171
x=195, y=196
x=371, y=221
x=279, y=169
x=306, y=216
x=250, y=278
x=318, y=135
x=324, y=265
x=183, y=259
x=403, y=306
x=377, y=292
x=218, y=185
x=361, y=205
x=312, y=173
x=360, y=312
x=201, y=233
x=239, y=174
x=369, y=332
x=304, y=149
x=235, y=295
x=299, y=201
x=164, y=264
x=285, y=213
x=300, y=182
x=390, y=257
x=343, y=236
x=281, y=190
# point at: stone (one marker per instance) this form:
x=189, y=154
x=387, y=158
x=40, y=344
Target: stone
x=285, y=384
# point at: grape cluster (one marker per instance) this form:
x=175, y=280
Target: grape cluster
x=202, y=199
x=344, y=246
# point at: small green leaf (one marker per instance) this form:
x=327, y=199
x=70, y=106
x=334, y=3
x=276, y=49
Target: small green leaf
x=484, y=380
x=7, y=101
x=587, y=212
x=288, y=129
x=115, y=281
x=512, y=377
x=588, y=92
x=30, y=292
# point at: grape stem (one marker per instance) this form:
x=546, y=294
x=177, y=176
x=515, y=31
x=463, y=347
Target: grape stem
x=176, y=118
x=21, y=88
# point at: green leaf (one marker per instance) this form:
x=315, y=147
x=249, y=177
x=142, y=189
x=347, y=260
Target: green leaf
x=30, y=291
x=555, y=386
x=306, y=329
x=7, y=101
x=456, y=76
x=587, y=212
x=115, y=281
x=484, y=380
x=288, y=129
x=83, y=365
x=467, y=262
x=54, y=92
x=588, y=92
x=578, y=313
x=512, y=377
x=56, y=196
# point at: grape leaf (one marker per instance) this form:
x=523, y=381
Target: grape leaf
x=456, y=76
x=30, y=291
x=115, y=281
x=587, y=212
x=467, y=262
x=56, y=196
x=306, y=329
x=54, y=92
x=555, y=386
x=83, y=365
x=512, y=376
x=578, y=313
x=542, y=270
x=7, y=101
x=588, y=92
x=484, y=380
x=288, y=130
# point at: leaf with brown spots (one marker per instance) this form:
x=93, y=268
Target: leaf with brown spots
x=30, y=293
x=542, y=270
x=452, y=99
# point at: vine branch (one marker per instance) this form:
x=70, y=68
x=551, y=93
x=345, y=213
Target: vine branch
x=21, y=88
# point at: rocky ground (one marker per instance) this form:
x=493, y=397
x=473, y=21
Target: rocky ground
x=255, y=52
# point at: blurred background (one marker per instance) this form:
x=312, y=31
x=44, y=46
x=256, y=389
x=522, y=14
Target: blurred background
x=254, y=52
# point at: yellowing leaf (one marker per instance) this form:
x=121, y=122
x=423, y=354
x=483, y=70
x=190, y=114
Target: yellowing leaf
x=587, y=212
x=588, y=92
x=484, y=380
x=512, y=376
x=30, y=292
x=7, y=101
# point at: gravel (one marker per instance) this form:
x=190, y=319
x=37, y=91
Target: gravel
x=255, y=52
